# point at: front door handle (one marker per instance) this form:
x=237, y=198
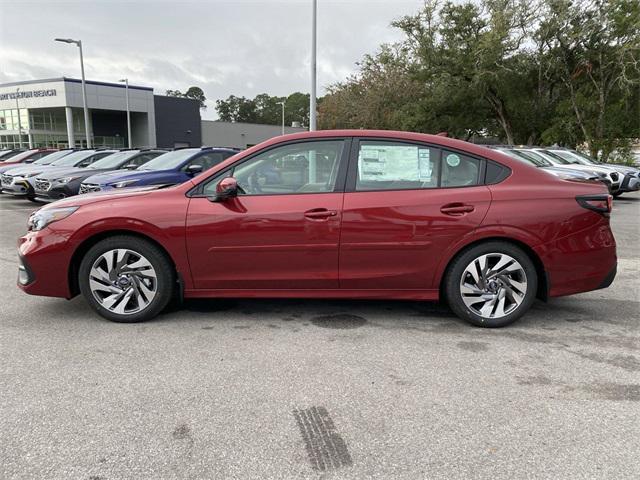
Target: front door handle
x=320, y=214
x=456, y=209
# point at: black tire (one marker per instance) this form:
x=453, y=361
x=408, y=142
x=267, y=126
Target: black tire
x=164, y=284
x=617, y=194
x=457, y=268
x=32, y=199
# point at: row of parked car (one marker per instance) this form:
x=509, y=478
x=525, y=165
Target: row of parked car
x=568, y=163
x=45, y=175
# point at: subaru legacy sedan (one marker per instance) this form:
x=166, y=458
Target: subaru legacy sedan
x=332, y=214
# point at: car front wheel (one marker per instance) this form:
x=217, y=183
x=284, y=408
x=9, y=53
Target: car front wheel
x=492, y=284
x=126, y=279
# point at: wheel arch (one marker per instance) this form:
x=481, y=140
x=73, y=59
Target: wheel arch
x=86, y=244
x=543, y=279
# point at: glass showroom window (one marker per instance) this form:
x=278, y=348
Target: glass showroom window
x=9, y=119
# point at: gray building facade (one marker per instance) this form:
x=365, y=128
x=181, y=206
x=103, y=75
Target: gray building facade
x=49, y=113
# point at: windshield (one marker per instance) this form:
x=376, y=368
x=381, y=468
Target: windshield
x=52, y=157
x=73, y=158
x=550, y=157
x=532, y=158
x=575, y=157
x=114, y=160
x=170, y=160
x=20, y=156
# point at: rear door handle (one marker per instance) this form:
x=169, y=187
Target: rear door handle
x=456, y=209
x=320, y=214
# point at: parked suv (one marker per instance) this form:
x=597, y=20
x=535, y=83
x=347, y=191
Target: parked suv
x=21, y=180
x=630, y=175
x=173, y=167
x=62, y=183
x=540, y=162
x=331, y=214
x=608, y=176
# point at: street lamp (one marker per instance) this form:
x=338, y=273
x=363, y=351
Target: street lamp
x=312, y=99
x=126, y=88
x=19, y=122
x=84, y=87
x=282, y=103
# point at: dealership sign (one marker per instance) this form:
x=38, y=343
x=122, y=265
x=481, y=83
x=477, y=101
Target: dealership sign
x=28, y=94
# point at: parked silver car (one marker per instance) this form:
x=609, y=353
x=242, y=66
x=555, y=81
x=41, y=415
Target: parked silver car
x=630, y=176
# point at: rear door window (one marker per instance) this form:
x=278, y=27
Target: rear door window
x=459, y=170
x=388, y=165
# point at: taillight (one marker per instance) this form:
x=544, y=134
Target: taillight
x=598, y=203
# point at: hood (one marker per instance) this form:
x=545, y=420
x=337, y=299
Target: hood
x=10, y=166
x=567, y=172
x=90, y=198
x=81, y=173
x=21, y=170
x=58, y=172
x=123, y=175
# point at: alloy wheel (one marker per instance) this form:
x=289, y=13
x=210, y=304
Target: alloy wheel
x=493, y=285
x=123, y=281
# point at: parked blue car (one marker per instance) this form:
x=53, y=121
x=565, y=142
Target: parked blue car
x=173, y=167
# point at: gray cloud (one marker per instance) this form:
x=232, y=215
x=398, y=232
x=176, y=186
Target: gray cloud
x=241, y=47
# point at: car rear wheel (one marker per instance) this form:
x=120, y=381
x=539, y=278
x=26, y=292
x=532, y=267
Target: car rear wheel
x=492, y=284
x=126, y=279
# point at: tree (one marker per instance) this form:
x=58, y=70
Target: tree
x=264, y=109
x=382, y=95
x=195, y=93
x=594, y=50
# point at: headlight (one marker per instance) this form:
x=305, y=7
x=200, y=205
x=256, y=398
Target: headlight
x=124, y=183
x=65, y=179
x=41, y=218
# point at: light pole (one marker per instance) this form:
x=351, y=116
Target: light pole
x=126, y=88
x=84, y=87
x=312, y=100
x=19, y=121
x=282, y=103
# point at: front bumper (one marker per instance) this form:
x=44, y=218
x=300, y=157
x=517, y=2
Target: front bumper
x=19, y=187
x=57, y=192
x=630, y=184
x=45, y=257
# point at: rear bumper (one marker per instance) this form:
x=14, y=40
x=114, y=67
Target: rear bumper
x=583, y=261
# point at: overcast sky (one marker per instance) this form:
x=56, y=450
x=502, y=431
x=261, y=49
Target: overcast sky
x=240, y=47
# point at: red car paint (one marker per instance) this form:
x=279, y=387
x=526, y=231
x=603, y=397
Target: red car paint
x=365, y=244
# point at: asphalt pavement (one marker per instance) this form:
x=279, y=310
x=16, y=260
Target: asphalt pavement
x=261, y=389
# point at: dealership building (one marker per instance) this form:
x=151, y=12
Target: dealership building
x=49, y=113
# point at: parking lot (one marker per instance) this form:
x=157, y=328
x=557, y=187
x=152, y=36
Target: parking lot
x=321, y=389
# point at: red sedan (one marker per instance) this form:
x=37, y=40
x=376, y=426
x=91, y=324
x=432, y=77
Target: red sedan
x=332, y=214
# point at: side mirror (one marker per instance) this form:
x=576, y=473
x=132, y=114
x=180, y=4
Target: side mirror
x=225, y=189
x=130, y=166
x=193, y=170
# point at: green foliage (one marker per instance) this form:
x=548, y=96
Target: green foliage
x=265, y=109
x=524, y=71
x=194, y=93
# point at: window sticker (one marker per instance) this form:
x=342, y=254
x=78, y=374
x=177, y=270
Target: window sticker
x=453, y=160
x=394, y=163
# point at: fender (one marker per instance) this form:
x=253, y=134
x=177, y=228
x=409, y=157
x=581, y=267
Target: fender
x=172, y=243
x=485, y=232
